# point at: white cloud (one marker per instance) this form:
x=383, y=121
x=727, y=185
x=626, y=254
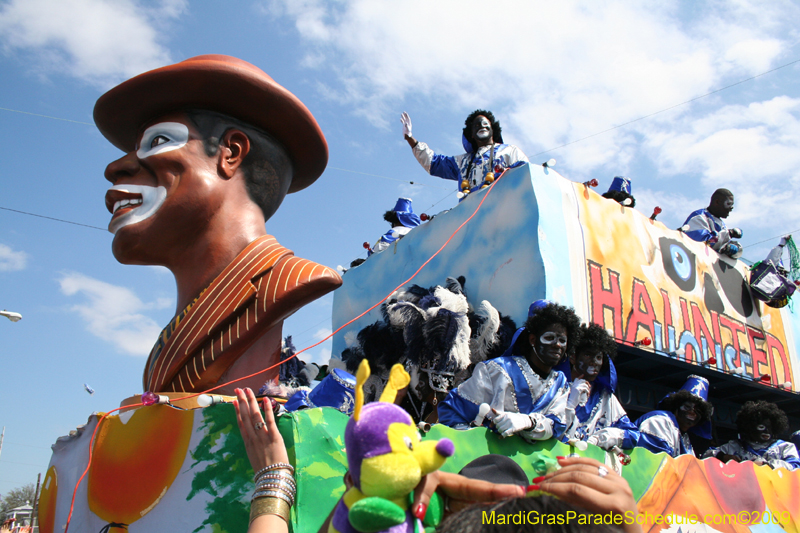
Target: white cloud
x=113, y=313
x=322, y=333
x=100, y=41
x=11, y=260
x=555, y=72
x=754, y=150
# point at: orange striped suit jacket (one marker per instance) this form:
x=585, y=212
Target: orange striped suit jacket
x=264, y=285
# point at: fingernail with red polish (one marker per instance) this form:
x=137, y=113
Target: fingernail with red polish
x=538, y=479
x=560, y=457
x=532, y=488
x=420, y=511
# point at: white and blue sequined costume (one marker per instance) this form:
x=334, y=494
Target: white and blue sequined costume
x=388, y=238
x=508, y=384
x=777, y=453
x=703, y=226
x=602, y=412
x=659, y=432
x=456, y=167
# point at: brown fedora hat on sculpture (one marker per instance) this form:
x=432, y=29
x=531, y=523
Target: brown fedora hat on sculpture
x=225, y=85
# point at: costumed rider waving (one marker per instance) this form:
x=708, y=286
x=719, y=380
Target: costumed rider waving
x=759, y=423
x=402, y=218
x=667, y=430
x=593, y=411
x=520, y=392
x=706, y=225
x=486, y=158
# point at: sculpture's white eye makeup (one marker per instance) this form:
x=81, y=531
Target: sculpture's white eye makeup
x=162, y=137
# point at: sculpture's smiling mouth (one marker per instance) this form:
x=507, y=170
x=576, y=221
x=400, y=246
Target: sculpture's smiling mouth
x=130, y=204
x=117, y=199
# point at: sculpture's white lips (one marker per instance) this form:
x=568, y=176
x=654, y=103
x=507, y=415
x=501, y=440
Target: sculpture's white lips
x=130, y=204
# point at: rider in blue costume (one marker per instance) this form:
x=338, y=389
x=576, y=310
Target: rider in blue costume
x=486, y=154
x=667, y=430
x=402, y=218
x=596, y=414
x=525, y=394
x=759, y=423
x=706, y=225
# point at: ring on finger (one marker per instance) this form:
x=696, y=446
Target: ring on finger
x=602, y=471
x=259, y=425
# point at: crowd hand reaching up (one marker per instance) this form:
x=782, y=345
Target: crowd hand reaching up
x=264, y=445
x=578, y=393
x=460, y=492
x=587, y=483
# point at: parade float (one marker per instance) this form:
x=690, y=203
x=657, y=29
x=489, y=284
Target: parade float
x=674, y=306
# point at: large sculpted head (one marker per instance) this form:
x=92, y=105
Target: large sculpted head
x=212, y=146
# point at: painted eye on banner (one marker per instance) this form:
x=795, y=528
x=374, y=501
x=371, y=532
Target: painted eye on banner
x=679, y=263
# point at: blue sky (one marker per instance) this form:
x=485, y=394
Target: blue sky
x=552, y=72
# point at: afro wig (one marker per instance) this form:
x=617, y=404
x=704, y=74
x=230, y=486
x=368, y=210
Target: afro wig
x=497, y=131
x=620, y=197
x=556, y=314
x=752, y=413
x=595, y=338
x=673, y=401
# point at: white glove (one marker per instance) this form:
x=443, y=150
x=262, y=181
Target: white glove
x=606, y=438
x=406, y=121
x=578, y=393
x=542, y=428
x=510, y=423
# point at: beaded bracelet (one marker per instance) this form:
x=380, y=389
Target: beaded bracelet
x=274, y=493
x=284, y=482
x=275, y=476
x=276, y=466
x=269, y=505
x=288, y=489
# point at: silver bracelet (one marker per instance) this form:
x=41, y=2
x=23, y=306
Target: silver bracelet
x=273, y=493
x=281, y=477
x=288, y=489
x=289, y=494
x=276, y=466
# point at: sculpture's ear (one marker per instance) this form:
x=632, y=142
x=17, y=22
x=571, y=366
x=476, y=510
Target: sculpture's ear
x=234, y=147
x=398, y=379
x=361, y=376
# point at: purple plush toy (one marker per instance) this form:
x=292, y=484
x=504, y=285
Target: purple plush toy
x=387, y=459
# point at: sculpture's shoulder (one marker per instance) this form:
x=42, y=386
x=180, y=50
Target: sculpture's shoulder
x=296, y=281
x=262, y=286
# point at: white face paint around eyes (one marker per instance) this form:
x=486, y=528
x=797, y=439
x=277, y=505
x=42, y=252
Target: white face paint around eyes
x=549, y=337
x=175, y=134
x=152, y=198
